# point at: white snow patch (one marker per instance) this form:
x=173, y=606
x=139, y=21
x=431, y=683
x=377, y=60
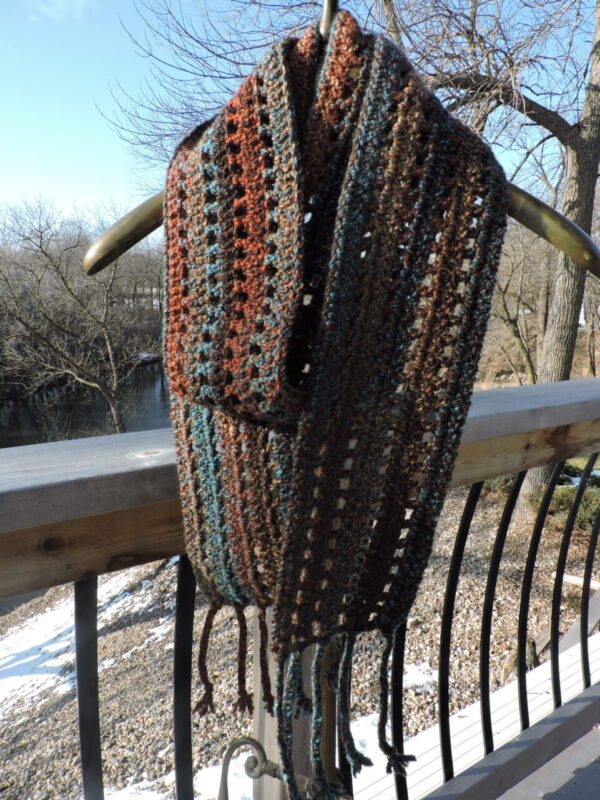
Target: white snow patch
x=419, y=675
x=33, y=655
x=206, y=784
x=137, y=791
x=206, y=781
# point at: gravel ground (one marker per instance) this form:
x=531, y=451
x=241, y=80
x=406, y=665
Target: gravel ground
x=40, y=748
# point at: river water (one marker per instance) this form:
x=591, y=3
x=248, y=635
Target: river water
x=43, y=419
x=76, y=414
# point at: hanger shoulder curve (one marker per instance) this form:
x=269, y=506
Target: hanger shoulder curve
x=522, y=206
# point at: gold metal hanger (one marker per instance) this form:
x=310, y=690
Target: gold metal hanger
x=540, y=218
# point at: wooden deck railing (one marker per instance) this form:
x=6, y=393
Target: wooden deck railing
x=77, y=509
x=84, y=507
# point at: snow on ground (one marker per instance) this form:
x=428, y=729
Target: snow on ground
x=206, y=785
x=39, y=655
x=34, y=656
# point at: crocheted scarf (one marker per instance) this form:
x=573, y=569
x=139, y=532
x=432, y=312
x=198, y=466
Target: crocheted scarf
x=332, y=240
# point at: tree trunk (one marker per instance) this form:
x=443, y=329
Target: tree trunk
x=583, y=153
x=559, y=342
x=115, y=409
x=591, y=347
x=582, y=156
x=590, y=324
x=542, y=312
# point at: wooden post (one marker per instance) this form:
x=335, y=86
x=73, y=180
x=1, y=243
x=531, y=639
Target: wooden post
x=265, y=726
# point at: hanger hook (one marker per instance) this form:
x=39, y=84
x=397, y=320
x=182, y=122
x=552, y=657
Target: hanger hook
x=330, y=8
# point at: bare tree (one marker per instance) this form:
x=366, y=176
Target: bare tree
x=524, y=74
x=197, y=57
x=61, y=328
x=591, y=309
x=516, y=296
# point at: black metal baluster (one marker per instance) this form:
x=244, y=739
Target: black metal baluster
x=86, y=660
x=182, y=679
x=526, y=595
x=446, y=629
x=397, y=707
x=561, y=564
x=585, y=602
x=488, y=608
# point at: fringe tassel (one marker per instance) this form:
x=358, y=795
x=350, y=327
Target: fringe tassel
x=336, y=647
x=303, y=703
x=356, y=759
x=327, y=790
x=264, y=663
x=285, y=688
x=397, y=762
x=244, y=701
x=206, y=701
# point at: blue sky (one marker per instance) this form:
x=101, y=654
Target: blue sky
x=59, y=59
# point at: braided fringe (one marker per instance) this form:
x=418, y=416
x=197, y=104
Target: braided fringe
x=327, y=790
x=244, y=701
x=397, y=762
x=264, y=663
x=285, y=688
x=355, y=758
x=205, y=704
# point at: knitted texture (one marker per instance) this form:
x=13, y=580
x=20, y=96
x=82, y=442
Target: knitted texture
x=332, y=240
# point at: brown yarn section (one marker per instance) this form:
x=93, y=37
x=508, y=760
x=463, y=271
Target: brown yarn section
x=205, y=704
x=337, y=95
x=326, y=148
x=244, y=703
x=430, y=331
x=176, y=195
x=268, y=698
x=338, y=312
x=242, y=515
x=302, y=59
x=250, y=212
x=187, y=470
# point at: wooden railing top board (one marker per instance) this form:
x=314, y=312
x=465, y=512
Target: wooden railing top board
x=46, y=483
x=78, y=508
x=517, y=409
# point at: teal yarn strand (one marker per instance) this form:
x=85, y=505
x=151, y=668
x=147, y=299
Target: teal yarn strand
x=303, y=702
x=327, y=791
x=396, y=761
x=285, y=688
x=355, y=758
